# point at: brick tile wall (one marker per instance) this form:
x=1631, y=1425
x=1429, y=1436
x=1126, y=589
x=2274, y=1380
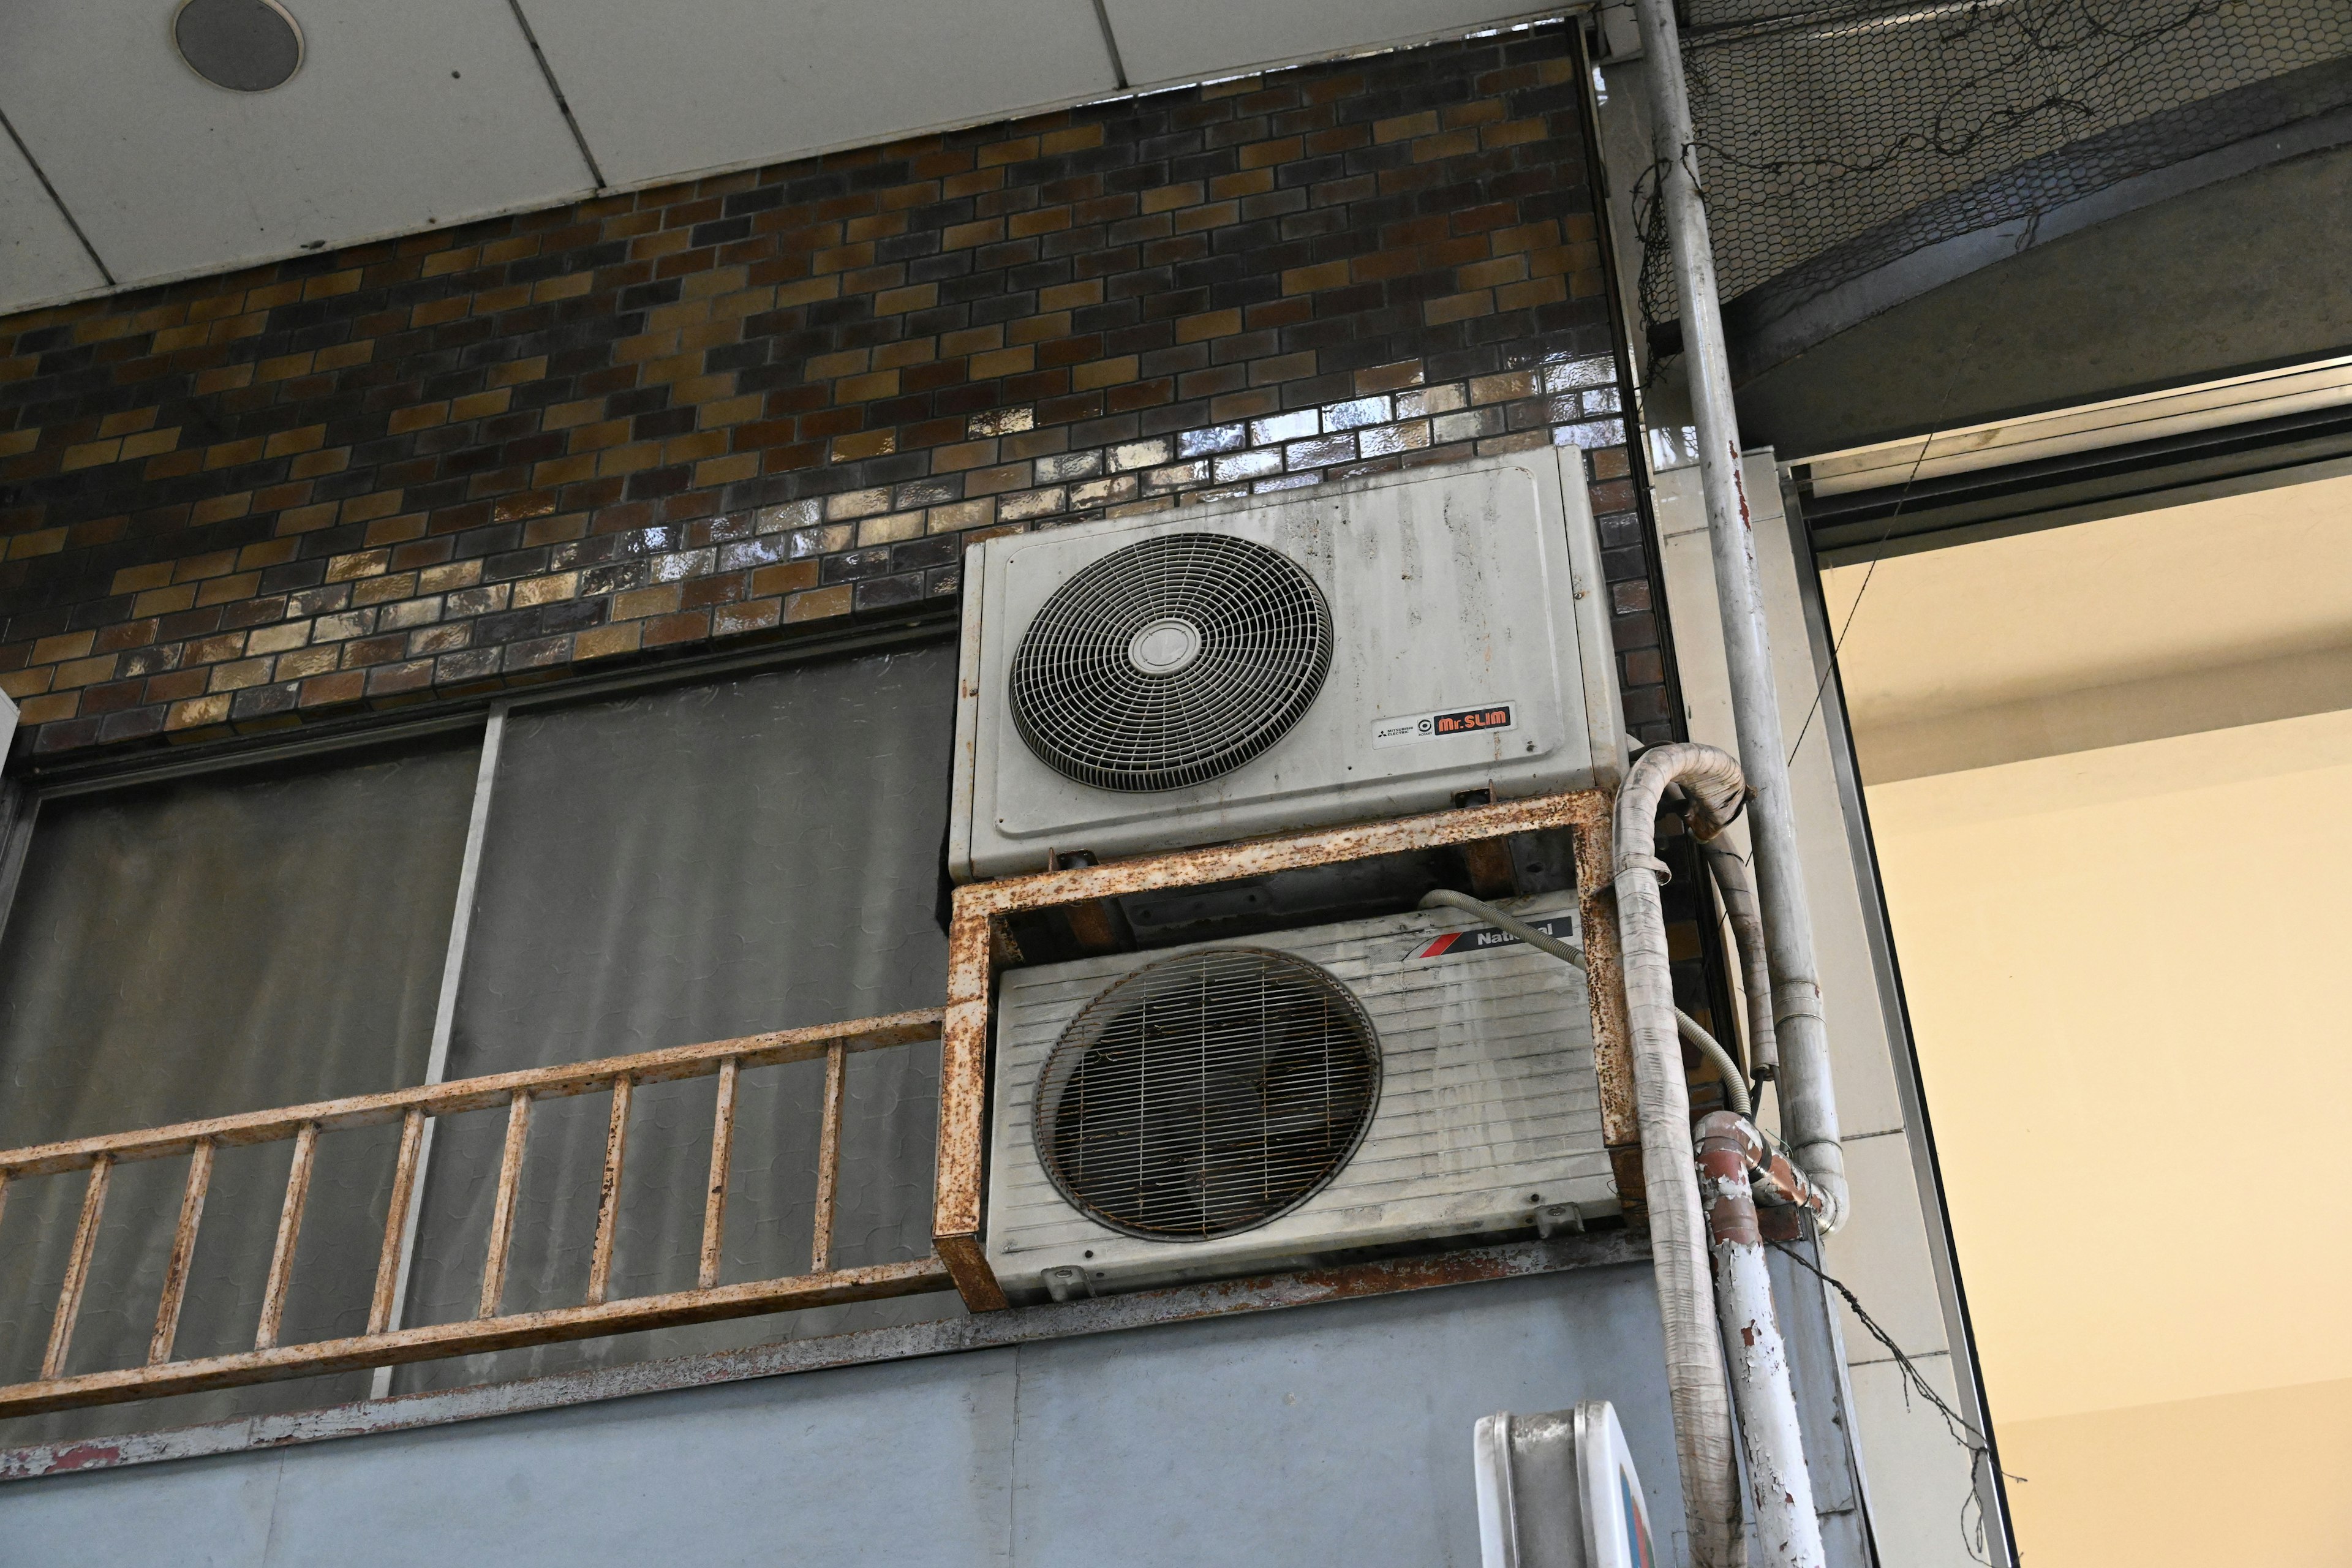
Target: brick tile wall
x=735, y=408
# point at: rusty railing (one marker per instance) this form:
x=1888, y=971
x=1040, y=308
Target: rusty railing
x=489, y=1329
x=978, y=944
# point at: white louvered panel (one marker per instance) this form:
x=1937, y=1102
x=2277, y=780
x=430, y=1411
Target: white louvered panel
x=1487, y=1098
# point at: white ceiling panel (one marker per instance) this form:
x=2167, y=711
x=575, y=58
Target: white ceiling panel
x=1160, y=41
x=39, y=256
x=401, y=115
x=661, y=89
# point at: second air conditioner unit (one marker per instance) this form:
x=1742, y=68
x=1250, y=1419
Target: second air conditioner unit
x=1331, y=653
x=1299, y=1096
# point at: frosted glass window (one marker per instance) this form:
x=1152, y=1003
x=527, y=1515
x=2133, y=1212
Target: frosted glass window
x=695, y=864
x=229, y=942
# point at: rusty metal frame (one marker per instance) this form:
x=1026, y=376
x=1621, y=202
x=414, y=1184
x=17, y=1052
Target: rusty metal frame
x=978, y=943
x=492, y=1329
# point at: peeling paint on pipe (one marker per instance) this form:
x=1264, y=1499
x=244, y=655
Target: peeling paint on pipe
x=1787, y=1531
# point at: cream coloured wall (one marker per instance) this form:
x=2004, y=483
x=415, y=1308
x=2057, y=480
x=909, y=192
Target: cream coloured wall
x=2122, y=957
x=1917, y=1478
x=2212, y=615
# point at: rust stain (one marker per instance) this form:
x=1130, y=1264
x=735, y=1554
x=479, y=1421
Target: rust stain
x=1613, y=1033
x=1261, y=856
x=972, y=956
x=1763, y=1166
x=1726, y=1146
x=86, y=1455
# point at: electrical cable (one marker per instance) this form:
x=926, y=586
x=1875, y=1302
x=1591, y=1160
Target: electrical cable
x=1734, y=1081
x=1914, y=1382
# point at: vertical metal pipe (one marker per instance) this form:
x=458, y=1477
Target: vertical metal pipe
x=1787, y=1531
x=1807, y=1100
x=392, y=1295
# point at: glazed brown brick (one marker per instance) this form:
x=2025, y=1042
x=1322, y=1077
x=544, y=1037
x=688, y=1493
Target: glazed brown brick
x=745, y=406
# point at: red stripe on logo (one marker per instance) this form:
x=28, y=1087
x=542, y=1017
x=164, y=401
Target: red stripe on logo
x=1442, y=945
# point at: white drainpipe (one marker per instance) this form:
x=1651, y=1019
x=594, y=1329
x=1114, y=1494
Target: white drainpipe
x=1787, y=1531
x=1807, y=1100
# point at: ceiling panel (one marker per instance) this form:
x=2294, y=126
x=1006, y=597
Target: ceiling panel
x=661, y=89
x=1162, y=42
x=40, y=258
x=401, y=115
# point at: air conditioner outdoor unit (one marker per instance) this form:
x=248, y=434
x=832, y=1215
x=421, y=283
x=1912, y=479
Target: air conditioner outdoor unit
x=1227, y=1108
x=1331, y=653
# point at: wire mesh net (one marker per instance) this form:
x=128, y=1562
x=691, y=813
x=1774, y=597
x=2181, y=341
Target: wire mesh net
x=1838, y=136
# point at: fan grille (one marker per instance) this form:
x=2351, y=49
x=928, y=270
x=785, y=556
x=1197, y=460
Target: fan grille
x=1207, y=1094
x=1171, y=661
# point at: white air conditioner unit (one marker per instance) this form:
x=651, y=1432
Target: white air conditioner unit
x=1227, y=1108
x=1331, y=653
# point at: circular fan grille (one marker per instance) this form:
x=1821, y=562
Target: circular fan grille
x=1171, y=661
x=1207, y=1094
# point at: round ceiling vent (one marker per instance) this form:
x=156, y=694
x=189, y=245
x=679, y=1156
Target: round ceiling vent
x=246, y=46
x=1207, y=1094
x=1171, y=661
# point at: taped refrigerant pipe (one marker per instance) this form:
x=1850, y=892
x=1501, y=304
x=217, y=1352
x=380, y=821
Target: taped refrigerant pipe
x=1807, y=1100
x=1678, y=1245
x=1738, y=892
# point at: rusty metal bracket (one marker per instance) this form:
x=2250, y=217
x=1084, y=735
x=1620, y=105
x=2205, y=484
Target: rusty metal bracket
x=979, y=945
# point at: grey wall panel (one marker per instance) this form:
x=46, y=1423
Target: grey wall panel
x=400, y=116
x=1336, y=1436
x=192, y=1516
x=1334, y=1433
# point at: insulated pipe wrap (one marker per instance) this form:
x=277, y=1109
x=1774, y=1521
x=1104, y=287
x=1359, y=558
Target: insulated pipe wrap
x=1731, y=880
x=1678, y=1247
